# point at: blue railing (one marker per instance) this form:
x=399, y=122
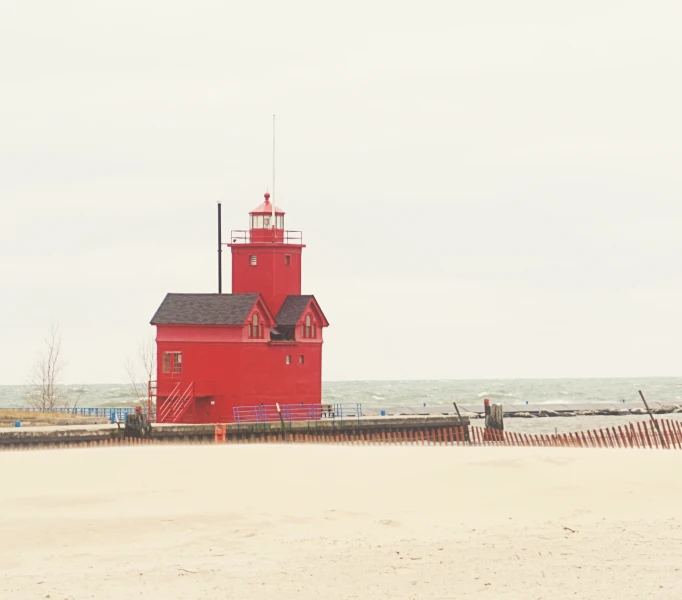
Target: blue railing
x=113, y=414
x=267, y=413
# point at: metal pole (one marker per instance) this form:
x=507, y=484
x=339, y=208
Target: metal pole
x=220, y=250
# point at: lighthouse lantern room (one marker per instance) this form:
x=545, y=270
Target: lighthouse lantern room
x=261, y=344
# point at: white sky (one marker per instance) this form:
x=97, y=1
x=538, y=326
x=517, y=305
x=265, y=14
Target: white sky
x=487, y=189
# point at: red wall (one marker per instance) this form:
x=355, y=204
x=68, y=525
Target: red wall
x=232, y=372
x=270, y=277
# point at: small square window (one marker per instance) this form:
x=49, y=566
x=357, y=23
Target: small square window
x=287, y=260
x=253, y=260
x=301, y=359
x=288, y=359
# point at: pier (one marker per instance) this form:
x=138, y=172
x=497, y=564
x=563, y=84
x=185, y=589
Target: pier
x=331, y=428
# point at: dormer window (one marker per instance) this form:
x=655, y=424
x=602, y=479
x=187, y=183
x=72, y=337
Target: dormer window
x=255, y=327
x=309, y=328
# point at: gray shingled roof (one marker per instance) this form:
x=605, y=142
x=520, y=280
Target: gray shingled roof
x=204, y=309
x=291, y=310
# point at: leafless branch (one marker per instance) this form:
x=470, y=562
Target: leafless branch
x=43, y=391
x=146, y=362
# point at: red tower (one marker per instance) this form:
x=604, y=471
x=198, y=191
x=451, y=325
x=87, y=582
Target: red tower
x=266, y=259
x=260, y=344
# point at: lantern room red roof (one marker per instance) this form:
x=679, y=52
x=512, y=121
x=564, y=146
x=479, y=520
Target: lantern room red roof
x=265, y=208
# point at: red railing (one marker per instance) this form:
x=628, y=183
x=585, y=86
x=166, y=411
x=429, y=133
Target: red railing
x=152, y=389
x=176, y=405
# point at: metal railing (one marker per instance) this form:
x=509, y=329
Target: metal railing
x=117, y=413
x=268, y=413
x=281, y=236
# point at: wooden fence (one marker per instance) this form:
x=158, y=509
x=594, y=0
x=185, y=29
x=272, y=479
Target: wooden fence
x=639, y=435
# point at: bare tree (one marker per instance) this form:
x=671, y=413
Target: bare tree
x=143, y=367
x=73, y=406
x=43, y=390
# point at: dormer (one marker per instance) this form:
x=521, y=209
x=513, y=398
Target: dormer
x=258, y=322
x=299, y=319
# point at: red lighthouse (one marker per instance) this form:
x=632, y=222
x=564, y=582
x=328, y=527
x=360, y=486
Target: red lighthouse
x=261, y=344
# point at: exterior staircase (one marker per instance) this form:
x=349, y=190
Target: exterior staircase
x=176, y=405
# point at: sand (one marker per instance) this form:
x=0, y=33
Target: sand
x=327, y=522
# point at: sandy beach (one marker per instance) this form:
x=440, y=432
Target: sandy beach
x=271, y=521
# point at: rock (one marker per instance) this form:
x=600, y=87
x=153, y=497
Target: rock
x=664, y=409
x=587, y=413
x=638, y=411
x=549, y=413
x=521, y=415
x=613, y=412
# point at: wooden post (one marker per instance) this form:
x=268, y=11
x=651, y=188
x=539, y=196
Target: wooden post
x=459, y=416
x=494, y=416
x=281, y=419
x=660, y=435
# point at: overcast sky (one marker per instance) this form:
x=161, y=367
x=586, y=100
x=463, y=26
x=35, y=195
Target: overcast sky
x=487, y=189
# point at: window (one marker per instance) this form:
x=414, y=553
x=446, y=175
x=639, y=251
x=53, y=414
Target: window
x=256, y=221
x=308, y=328
x=253, y=260
x=301, y=359
x=288, y=359
x=266, y=222
x=255, y=327
x=287, y=260
x=280, y=221
x=172, y=362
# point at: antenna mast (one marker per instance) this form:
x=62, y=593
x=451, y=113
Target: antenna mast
x=273, y=173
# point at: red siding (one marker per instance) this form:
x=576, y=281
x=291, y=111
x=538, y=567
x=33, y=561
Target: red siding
x=270, y=277
x=234, y=373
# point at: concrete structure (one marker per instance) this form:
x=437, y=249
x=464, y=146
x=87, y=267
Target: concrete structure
x=411, y=426
x=261, y=344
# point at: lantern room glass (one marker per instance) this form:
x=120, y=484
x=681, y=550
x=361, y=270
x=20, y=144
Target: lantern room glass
x=265, y=221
